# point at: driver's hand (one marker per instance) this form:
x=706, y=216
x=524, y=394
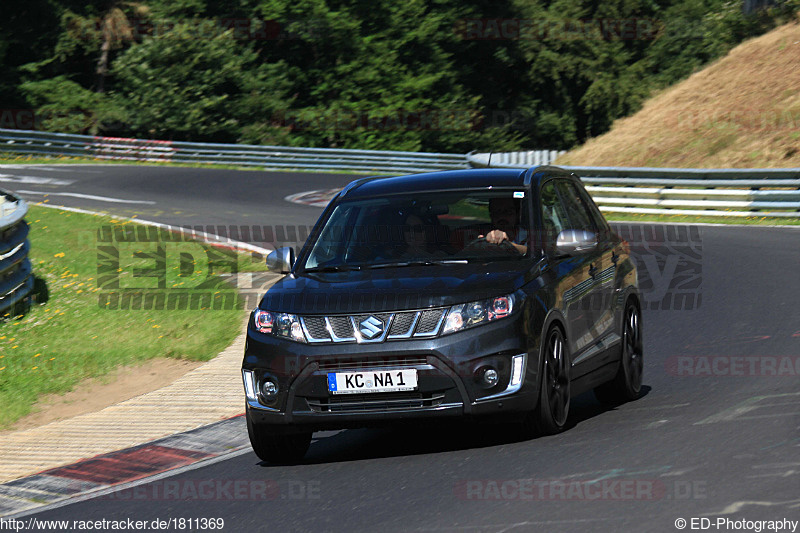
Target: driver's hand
x=496, y=236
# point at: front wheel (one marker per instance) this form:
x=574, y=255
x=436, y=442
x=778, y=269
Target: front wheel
x=279, y=448
x=554, y=397
x=627, y=384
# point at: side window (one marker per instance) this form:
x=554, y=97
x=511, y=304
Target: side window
x=577, y=211
x=599, y=221
x=554, y=216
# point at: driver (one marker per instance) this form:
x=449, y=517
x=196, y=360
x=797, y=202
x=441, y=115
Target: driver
x=504, y=213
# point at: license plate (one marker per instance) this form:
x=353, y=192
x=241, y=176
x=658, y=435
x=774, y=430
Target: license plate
x=372, y=381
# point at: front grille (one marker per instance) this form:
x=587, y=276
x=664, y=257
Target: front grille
x=316, y=328
x=342, y=327
x=357, y=328
x=384, y=319
x=372, y=362
x=429, y=321
x=402, y=323
x=390, y=401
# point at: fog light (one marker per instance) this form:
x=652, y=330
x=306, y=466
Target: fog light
x=490, y=377
x=269, y=389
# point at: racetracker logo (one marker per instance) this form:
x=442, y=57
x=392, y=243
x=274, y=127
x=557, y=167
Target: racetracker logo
x=733, y=366
x=577, y=490
x=240, y=29
x=219, y=490
x=488, y=29
x=323, y=119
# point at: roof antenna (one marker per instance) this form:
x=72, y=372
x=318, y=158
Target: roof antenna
x=489, y=164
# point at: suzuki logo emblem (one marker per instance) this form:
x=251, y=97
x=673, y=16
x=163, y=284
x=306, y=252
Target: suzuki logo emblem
x=371, y=327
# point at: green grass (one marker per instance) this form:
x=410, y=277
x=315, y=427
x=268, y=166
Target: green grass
x=74, y=336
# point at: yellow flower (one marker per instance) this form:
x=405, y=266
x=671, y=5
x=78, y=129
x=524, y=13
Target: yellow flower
x=60, y=254
x=37, y=355
x=34, y=368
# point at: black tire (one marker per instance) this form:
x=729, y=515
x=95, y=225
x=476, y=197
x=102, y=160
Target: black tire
x=627, y=384
x=554, y=398
x=278, y=448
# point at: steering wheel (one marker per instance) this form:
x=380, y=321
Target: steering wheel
x=480, y=244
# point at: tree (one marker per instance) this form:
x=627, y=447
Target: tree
x=115, y=29
x=177, y=85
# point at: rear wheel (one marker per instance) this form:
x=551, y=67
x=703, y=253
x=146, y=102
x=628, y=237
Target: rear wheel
x=627, y=384
x=274, y=447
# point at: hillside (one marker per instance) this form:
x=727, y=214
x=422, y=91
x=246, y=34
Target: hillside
x=741, y=111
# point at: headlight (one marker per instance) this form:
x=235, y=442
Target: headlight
x=279, y=324
x=464, y=316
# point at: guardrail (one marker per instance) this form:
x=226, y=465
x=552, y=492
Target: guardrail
x=527, y=159
x=275, y=157
x=16, y=278
x=750, y=192
x=708, y=192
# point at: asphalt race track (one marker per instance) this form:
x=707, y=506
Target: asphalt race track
x=716, y=434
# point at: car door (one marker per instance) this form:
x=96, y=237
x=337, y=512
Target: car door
x=604, y=302
x=573, y=280
x=598, y=272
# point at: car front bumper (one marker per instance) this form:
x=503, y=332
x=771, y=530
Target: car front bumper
x=448, y=371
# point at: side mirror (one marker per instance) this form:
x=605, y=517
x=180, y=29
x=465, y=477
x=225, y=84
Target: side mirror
x=575, y=242
x=281, y=260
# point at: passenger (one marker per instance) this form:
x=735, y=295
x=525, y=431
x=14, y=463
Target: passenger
x=416, y=233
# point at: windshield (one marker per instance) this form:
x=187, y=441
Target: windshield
x=428, y=228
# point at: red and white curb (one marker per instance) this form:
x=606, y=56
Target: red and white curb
x=94, y=476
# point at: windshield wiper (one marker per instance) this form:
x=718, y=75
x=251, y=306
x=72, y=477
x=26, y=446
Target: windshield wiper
x=420, y=263
x=334, y=268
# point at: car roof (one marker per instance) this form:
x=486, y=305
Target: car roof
x=476, y=178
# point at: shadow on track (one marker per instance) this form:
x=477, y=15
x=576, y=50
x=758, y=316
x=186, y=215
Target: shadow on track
x=438, y=436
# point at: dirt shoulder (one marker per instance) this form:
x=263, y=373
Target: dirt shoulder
x=95, y=394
